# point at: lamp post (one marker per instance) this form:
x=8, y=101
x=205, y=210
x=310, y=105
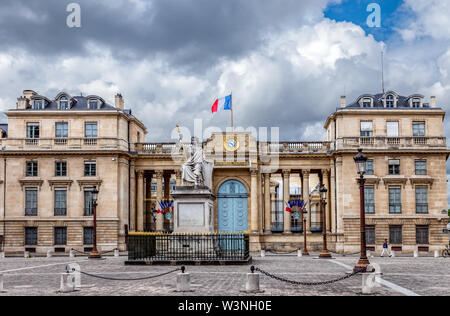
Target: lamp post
x=323, y=194
x=305, y=249
x=94, y=253
x=360, y=161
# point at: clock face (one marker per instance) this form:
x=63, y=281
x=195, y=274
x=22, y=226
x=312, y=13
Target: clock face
x=231, y=144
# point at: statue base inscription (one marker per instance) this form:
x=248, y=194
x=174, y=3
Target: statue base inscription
x=193, y=209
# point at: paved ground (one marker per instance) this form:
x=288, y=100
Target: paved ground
x=41, y=276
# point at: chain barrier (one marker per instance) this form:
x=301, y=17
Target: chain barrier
x=348, y=276
x=123, y=279
x=345, y=254
x=281, y=253
x=88, y=253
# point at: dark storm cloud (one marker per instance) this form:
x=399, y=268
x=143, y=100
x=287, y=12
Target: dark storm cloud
x=193, y=31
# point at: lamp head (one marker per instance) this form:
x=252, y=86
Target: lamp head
x=360, y=161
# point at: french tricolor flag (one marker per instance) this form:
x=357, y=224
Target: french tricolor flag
x=222, y=104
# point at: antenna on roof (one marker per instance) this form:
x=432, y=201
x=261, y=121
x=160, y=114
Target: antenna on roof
x=382, y=66
x=81, y=93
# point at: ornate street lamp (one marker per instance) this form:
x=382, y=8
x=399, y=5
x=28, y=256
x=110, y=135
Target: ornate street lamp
x=94, y=253
x=323, y=194
x=360, y=161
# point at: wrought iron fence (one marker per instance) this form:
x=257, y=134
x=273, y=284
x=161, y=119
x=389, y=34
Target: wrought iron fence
x=187, y=247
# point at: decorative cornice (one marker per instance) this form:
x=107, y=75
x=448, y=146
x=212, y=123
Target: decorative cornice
x=31, y=182
x=55, y=182
x=421, y=180
x=89, y=182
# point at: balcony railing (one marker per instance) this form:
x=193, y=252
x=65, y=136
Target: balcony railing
x=64, y=144
x=392, y=142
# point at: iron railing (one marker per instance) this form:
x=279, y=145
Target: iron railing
x=188, y=247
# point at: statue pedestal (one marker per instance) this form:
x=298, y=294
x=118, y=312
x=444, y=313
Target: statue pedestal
x=193, y=209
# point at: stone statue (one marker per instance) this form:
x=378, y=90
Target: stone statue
x=197, y=170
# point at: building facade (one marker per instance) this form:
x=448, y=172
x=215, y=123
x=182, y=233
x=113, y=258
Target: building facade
x=55, y=150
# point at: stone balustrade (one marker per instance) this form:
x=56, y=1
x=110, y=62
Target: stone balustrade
x=39, y=144
x=391, y=142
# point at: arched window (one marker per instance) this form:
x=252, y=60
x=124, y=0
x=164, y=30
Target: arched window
x=416, y=102
x=92, y=104
x=367, y=102
x=390, y=101
x=63, y=103
x=38, y=104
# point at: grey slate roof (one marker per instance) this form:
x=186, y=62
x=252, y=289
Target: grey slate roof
x=402, y=101
x=79, y=103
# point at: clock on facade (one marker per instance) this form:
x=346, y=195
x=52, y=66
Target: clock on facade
x=231, y=144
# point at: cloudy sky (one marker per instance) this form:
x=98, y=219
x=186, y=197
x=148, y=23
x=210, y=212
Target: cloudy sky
x=286, y=61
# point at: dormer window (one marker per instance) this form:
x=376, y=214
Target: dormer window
x=390, y=101
x=416, y=103
x=93, y=104
x=367, y=102
x=38, y=104
x=63, y=103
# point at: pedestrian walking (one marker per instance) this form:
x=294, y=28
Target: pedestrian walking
x=385, y=249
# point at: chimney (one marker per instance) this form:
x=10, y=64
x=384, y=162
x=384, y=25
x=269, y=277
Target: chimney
x=28, y=94
x=22, y=103
x=433, y=102
x=119, y=102
x=343, y=101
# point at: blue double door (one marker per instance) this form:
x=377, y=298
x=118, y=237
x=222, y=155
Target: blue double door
x=232, y=207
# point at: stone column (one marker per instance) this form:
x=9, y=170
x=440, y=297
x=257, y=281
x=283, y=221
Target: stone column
x=286, y=198
x=159, y=197
x=332, y=201
x=148, y=197
x=167, y=186
x=267, y=217
x=140, y=200
x=305, y=190
x=178, y=177
x=254, y=201
x=326, y=182
x=132, y=223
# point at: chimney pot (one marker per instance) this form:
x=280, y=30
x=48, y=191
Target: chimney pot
x=119, y=102
x=343, y=101
x=433, y=102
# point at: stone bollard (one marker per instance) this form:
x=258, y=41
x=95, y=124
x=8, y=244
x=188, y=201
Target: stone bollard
x=2, y=255
x=263, y=253
x=392, y=253
x=436, y=253
x=74, y=269
x=67, y=284
x=370, y=280
x=116, y=253
x=416, y=254
x=299, y=253
x=2, y=290
x=49, y=254
x=369, y=254
x=26, y=255
x=183, y=281
x=252, y=285
x=71, y=253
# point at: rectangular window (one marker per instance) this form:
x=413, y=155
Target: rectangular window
x=422, y=199
x=366, y=129
x=367, y=103
x=369, y=199
x=31, y=238
x=395, y=200
x=62, y=130
x=90, y=168
x=38, y=105
x=32, y=130
x=395, y=234
x=421, y=167
x=369, y=167
x=60, y=235
x=392, y=129
x=422, y=235
x=93, y=105
x=90, y=130
x=31, y=201
x=416, y=103
x=88, y=235
x=88, y=204
x=60, y=202
x=394, y=167
x=370, y=235
x=60, y=169
x=418, y=129
x=32, y=169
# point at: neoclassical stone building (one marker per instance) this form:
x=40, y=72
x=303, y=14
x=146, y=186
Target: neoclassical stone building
x=55, y=150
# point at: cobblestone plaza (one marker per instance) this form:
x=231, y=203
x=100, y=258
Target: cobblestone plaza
x=405, y=275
